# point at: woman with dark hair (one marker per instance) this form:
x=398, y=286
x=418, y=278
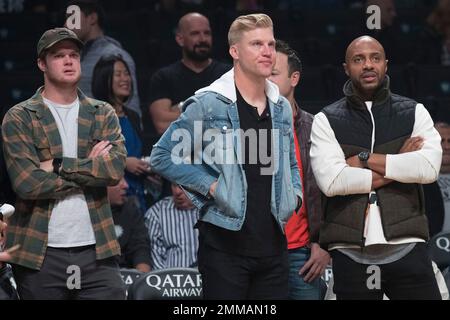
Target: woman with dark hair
x=112, y=83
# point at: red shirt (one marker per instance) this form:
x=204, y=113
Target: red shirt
x=297, y=227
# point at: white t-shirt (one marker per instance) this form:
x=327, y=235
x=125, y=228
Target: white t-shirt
x=70, y=223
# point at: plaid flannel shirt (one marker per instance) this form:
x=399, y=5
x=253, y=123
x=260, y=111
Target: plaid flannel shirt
x=30, y=136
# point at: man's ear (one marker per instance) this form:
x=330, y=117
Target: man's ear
x=234, y=53
x=179, y=39
x=295, y=78
x=386, y=66
x=41, y=64
x=346, y=69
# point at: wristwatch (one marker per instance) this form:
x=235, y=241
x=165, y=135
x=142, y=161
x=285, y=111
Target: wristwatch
x=56, y=165
x=363, y=156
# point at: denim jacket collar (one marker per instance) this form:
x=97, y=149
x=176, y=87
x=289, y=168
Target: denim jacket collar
x=225, y=86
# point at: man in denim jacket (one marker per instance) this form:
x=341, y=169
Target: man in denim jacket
x=232, y=150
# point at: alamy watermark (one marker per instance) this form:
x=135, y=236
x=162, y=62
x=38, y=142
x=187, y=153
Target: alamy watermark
x=74, y=280
x=73, y=20
x=219, y=146
x=374, y=20
x=373, y=282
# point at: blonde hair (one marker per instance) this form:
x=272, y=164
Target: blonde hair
x=247, y=23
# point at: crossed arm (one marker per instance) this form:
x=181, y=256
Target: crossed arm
x=377, y=162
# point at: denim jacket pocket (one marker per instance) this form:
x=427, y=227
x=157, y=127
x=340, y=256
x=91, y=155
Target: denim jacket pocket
x=218, y=144
x=223, y=134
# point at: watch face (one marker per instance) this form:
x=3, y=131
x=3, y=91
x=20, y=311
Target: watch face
x=363, y=156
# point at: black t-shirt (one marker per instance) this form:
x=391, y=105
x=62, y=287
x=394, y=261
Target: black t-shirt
x=132, y=235
x=177, y=82
x=260, y=235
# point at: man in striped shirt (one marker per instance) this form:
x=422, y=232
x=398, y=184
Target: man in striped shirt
x=173, y=239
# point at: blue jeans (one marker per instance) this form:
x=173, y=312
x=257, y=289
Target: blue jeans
x=298, y=288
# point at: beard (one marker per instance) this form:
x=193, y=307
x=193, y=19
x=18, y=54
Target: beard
x=199, y=55
x=366, y=90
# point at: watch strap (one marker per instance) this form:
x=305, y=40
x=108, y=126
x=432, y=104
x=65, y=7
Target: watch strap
x=57, y=162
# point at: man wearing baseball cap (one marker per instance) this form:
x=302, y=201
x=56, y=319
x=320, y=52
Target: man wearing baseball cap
x=62, y=149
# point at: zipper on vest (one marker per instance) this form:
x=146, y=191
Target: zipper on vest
x=381, y=216
x=363, y=239
x=372, y=144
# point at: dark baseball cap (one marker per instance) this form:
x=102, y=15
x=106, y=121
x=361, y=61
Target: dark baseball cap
x=53, y=36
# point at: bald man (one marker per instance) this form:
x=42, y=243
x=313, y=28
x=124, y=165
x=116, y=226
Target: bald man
x=370, y=153
x=173, y=84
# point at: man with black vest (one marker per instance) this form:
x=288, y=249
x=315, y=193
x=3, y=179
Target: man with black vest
x=370, y=153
